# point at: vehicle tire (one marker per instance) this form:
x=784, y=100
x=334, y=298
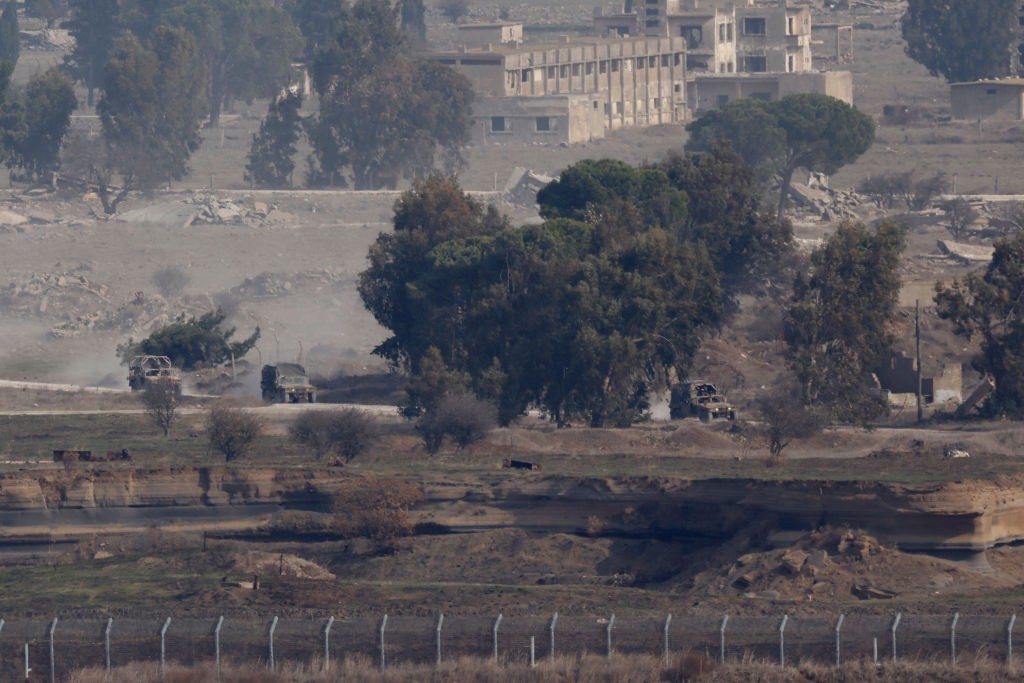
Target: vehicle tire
x=705, y=416
x=732, y=414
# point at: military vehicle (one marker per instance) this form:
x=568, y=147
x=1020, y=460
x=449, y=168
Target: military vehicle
x=144, y=370
x=287, y=383
x=702, y=399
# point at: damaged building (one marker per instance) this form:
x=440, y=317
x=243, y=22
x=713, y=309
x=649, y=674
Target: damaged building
x=572, y=91
x=898, y=379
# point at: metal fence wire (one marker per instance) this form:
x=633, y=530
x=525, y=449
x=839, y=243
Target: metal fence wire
x=52, y=649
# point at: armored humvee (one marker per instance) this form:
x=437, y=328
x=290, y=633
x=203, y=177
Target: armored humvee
x=287, y=383
x=702, y=399
x=144, y=370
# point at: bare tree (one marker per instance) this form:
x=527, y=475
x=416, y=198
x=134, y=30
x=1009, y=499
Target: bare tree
x=959, y=214
x=232, y=431
x=347, y=432
x=161, y=400
x=787, y=419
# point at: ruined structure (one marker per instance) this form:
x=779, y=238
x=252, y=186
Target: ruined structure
x=898, y=378
x=573, y=91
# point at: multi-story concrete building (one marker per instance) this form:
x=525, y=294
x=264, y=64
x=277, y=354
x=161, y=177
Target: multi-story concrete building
x=572, y=92
x=722, y=36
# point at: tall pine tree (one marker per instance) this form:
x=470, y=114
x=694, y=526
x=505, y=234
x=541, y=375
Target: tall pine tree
x=9, y=48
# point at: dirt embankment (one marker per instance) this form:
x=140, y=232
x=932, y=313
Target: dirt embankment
x=953, y=516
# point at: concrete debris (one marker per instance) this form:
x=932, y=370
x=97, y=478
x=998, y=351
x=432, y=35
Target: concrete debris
x=523, y=185
x=966, y=253
x=865, y=592
x=282, y=284
x=820, y=200
x=952, y=452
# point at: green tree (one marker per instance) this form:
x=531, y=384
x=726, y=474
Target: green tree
x=192, y=342
x=248, y=46
x=961, y=40
x=10, y=44
x=433, y=211
x=578, y=318
x=414, y=24
x=838, y=328
x=988, y=306
x=810, y=131
x=48, y=102
x=161, y=401
x=317, y=21
x=746, y=243
x=49, y=10
x=383, y=115
x=152, y=106
x=271, y=156
x=95, y=25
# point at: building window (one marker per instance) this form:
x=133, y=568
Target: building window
x=652, y=12
x=590, y=68
x=723, y=100
x=595, y=104
x=679, y=58
x=615, y=66
x=791, y=65
x=652, y=62
x=790, y=26
x=564, y=71
x=721, y=33
x=607, y=109
x=677, y=87
x=693, y=35
x=664, y=61
x=640, y=62
x=618, y=108
x=754, y=64
x=527, y=75
x=498, y=125
x=990, y=91
x=730, y=67
x=728, y=31
x=753, y=26
x=602, y=67
x=656, y=102
x=576, y=69
x=544, y=124
x=551, y=72
x=651, y=23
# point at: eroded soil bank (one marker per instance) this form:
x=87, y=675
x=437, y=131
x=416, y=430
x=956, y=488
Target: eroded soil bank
x=965, y=515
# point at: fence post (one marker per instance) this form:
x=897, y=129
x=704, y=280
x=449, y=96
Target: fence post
x=952, y=637
x=163, y=648
x=27, y=669
x=721, y=639
x=782, y=640
x=895, y=625
x=216, y=644
x=383, y=658
x=533, y=652
x=1009, y=641
x=611, y=625
x=270, y=642
x=839, y=628
x=440, y=623
x=106, y=639
x=554, y=620
x=668, y=622
x=53, y=659
x=327, y=643
x=497, y=623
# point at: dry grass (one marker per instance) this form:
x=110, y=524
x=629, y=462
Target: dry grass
x=590, y=669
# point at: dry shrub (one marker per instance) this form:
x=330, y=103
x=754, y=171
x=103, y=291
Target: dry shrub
x=232, y=431
x=348, y=432
x=374, y=507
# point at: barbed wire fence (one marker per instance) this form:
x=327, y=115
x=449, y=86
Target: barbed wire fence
x=50, y=649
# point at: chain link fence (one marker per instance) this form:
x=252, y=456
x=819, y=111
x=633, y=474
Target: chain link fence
x=50, y=649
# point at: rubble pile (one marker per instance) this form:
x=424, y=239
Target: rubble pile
x=282, y=284
x=52, y=294
x=210, y=209
x=825, y=203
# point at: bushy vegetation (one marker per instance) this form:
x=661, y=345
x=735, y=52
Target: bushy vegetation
x=347, y=432
x=232, y=432
x=161, y=400
x=374, y=507
x=462, y=417
x=192, y=342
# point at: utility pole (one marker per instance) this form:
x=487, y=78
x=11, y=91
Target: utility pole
x=917, y=338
